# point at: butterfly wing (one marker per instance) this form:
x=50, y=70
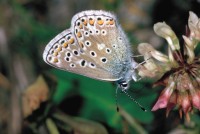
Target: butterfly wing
x=62, y=53
x=95, y=46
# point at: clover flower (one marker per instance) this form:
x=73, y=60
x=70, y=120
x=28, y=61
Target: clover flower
x=179, y=71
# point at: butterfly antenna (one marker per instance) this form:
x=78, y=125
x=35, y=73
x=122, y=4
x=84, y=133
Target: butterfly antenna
x=116, y=100
x=137, y=56
x=141, y=63
x=143, y=109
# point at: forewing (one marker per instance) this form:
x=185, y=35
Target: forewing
x=100, y=36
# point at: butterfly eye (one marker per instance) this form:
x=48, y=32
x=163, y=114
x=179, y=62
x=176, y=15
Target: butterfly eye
x=124, y=85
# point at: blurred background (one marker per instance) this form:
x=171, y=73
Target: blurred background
x=36, y=98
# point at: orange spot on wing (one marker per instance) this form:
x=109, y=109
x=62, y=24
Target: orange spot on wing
x=111, y=22
x=55, y=60
x=55, y=53
x=91, y=21
x=100, y=22
x=79, y=34
x=65, y=45
x=71, y=41
x=59, y=49
x=81, y=26
x=85, y=22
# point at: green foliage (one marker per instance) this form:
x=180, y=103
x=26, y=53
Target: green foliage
x=99, y=99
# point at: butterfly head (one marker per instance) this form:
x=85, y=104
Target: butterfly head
x=123, y=85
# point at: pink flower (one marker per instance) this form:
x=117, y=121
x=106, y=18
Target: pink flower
x=178, y=71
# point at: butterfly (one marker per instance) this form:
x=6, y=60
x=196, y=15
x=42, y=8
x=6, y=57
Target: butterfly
x=94, y=46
